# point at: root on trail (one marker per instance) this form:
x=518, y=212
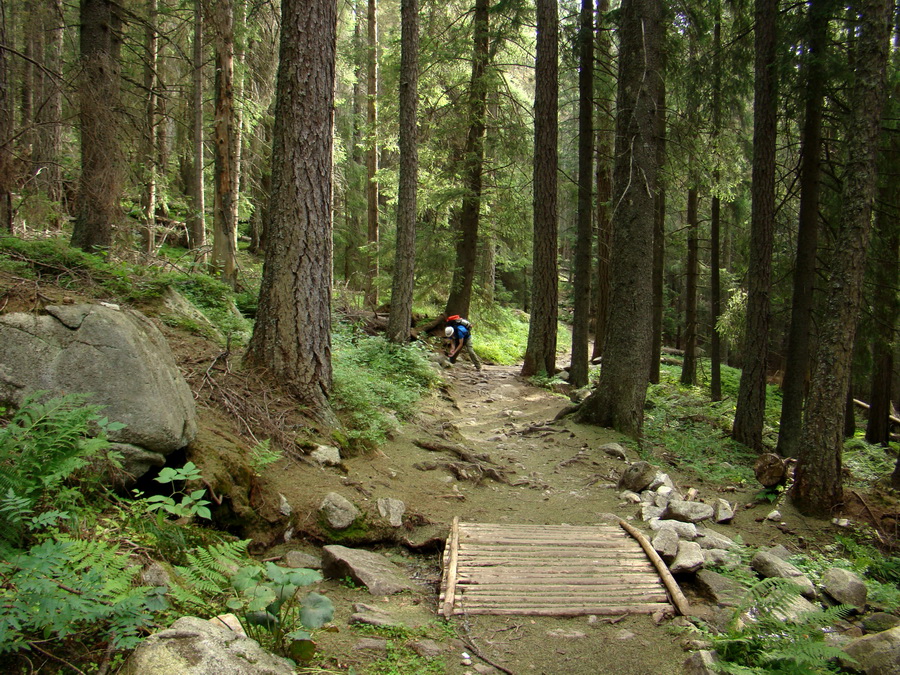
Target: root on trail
x=473, y=467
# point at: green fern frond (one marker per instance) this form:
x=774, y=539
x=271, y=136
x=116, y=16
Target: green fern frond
x=208, y=572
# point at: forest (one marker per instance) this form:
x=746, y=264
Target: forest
x=716, y=177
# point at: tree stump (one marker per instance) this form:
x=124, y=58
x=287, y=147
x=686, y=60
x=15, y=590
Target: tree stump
x=770, y=470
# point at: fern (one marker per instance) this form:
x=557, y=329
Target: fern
x=762, y=639
x=43, y=444
x=207, y=575
x=60, y=588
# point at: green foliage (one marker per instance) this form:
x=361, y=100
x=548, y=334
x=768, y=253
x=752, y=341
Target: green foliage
x=44, y=444
x=192, y=502
x=203, y=581
x=375, y=383
x=268, y=601
x=60, y=588
x=65, y=265
x=502, y=335
x=868, y=463
x=761, y=639
x=262, y=454
x=400, y=658
x=684, y=422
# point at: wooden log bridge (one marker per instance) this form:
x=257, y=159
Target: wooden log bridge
x=551, y=570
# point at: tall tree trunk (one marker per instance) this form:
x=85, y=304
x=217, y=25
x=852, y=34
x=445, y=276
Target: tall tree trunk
x=659, y=239
x=100, y=187
x=6, y=132
x=473, y=159
x=540, y=352
x=197, y=220
x=751, y=403
x=150, y=148
x=715, y=283
x=605, y=140
x=618, y=400
x=373, y=229
x=225, y=133
x=817, y=479
x=578, y=372
x=400, y=319
x=797, y=360
x=292, y=336
x=689, y=366
x=887, y=272
x=48, y=143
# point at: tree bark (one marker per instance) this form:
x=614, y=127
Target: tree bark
x=659, y=240
x=797, y=360
x=715, y=282
x=292, y=337
x=689, y=363
x=225, y=134
x=150, y=148
x=473, y=160
x=372, y=228
x=48, y=143
x=887, y=276
x=618, y=400
x=751, y=404
x=540, y=352
x=605, y=140
x=196, y=219
x=400, y=319
x=99, y=189
x=817, y=478
x=578, y=371
x=6, y=133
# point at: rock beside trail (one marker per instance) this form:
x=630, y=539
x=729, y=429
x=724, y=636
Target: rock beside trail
x=373, y=616
x=372, y=570
x=701, y=663
x=721, y=590
x=665, y=542
x=391, y=510
x=877, y=654
x=688, y=512
x=689, y=558
x=845, y=587
x=768, y=565
x=299, y=559
x=117, y=356
x=193, y=646
x=338, y=511
x=638, y=477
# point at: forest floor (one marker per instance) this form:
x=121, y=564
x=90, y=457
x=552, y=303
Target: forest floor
x=554, y=475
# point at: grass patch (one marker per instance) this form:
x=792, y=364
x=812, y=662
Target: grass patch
x=682, y=420
x=376, y=385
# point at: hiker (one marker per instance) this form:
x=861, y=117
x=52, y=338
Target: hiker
x=461, y=336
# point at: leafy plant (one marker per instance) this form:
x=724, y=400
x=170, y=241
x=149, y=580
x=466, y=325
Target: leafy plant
x=760, y=638
x=191, y=504
x=61, y=588
x=205, y=579
x=272, y=613
x=44, y=443
x=262, y=454
x=376, y=383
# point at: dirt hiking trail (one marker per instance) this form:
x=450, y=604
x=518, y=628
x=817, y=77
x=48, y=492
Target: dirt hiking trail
x=526, y=469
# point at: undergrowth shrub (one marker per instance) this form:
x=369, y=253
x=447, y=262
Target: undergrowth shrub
x=683, y=421
x=44, y=444
x=376, y=383
x=765, y=636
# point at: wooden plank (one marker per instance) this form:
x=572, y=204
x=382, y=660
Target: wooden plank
x=547, y=570
x=449, y=598
x=582, y=610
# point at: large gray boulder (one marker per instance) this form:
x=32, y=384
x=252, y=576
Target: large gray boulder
x=845, y=587
x=119, y=357
x=877, y=654
x=193, y=646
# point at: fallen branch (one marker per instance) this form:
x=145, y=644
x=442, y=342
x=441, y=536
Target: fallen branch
x=678, y=599
x=866, y=406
